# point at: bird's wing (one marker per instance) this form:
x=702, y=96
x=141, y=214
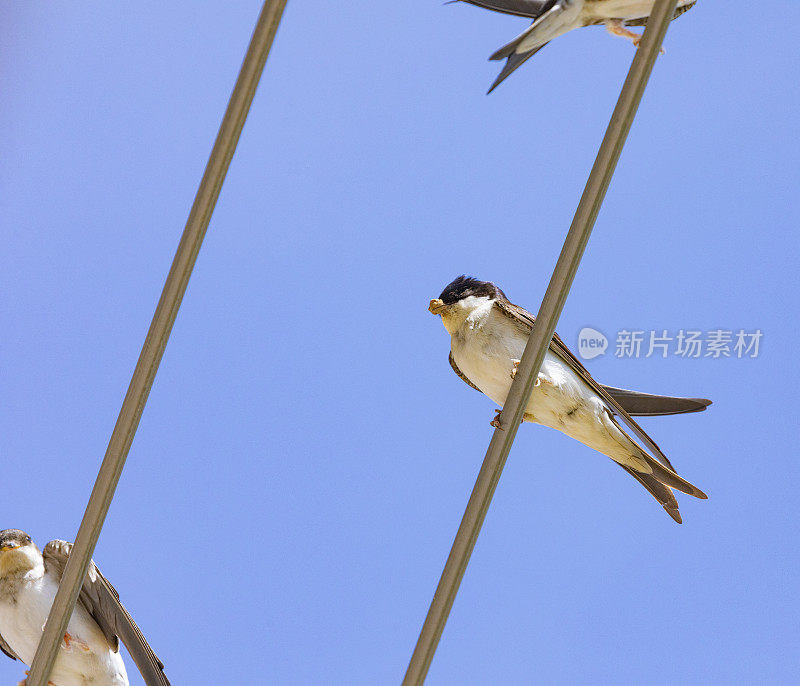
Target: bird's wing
x=461, y=374
x=555, y=18
x=558, y=347
x=661, y=467
x=8, y=650
x=101, y=600
x=519, y=8
x=638, y=404
x=678, y=12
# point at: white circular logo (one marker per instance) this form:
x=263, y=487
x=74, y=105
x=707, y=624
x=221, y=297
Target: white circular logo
x=591, y=343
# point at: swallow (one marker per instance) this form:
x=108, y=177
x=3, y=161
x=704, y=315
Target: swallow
x=552, y=18
x=89, y=653
x=487, y=336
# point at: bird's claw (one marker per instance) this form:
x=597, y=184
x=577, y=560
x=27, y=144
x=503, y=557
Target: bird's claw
x=496, y=421
x=536, y=383
x=617, y=28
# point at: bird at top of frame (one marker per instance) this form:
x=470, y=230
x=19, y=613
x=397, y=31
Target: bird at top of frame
x=552, y=18
x=488, y=334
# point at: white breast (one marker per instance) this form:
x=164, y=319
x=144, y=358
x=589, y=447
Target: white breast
x=487, y=355
x=485, y=349
x=21, y=625
x=622, y=9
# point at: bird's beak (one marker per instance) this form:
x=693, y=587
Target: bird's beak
x=436, y=306
x=11, y=546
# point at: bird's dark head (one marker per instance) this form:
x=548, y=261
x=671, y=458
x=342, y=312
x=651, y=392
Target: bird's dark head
x=18, y=553
x=463, y=287
x=460, y=297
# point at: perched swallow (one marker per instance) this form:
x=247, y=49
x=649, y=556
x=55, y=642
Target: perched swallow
x=552, y=18
x=90, y=650
x=487, y=336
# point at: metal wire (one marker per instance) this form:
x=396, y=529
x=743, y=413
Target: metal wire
x=540, y=337
x=156, y=340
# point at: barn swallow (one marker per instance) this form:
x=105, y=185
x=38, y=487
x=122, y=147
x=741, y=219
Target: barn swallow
x=487, y=336
x=89, y=653
x=552, y=18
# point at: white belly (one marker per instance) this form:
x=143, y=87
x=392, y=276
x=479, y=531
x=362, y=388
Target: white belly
x=21, y=626
x=621, y=9
x=560, y=395
x=561, y=400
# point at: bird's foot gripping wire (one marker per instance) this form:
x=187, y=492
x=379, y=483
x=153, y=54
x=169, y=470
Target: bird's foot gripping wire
x=540, y=379
x=496, y=421
x=616, y=27
x=527, y=417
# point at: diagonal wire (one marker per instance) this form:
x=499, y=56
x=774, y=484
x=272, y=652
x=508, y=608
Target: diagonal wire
x=156, y=340
x=539, y=340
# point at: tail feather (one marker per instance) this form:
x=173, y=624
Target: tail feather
x=514, y=61
x=659, y=491
x=553, y=20
x=661, y=470
x=669, y=478
x=510, y=49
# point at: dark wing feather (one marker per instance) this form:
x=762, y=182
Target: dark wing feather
x=101, y=600
x=461, y=374
x=520, y=8
x=7, y=649
x=639, y=404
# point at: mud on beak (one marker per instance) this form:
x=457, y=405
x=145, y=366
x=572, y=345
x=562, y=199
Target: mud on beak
x=436, y=306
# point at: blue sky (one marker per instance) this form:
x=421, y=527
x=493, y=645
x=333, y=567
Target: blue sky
x=306, y=453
